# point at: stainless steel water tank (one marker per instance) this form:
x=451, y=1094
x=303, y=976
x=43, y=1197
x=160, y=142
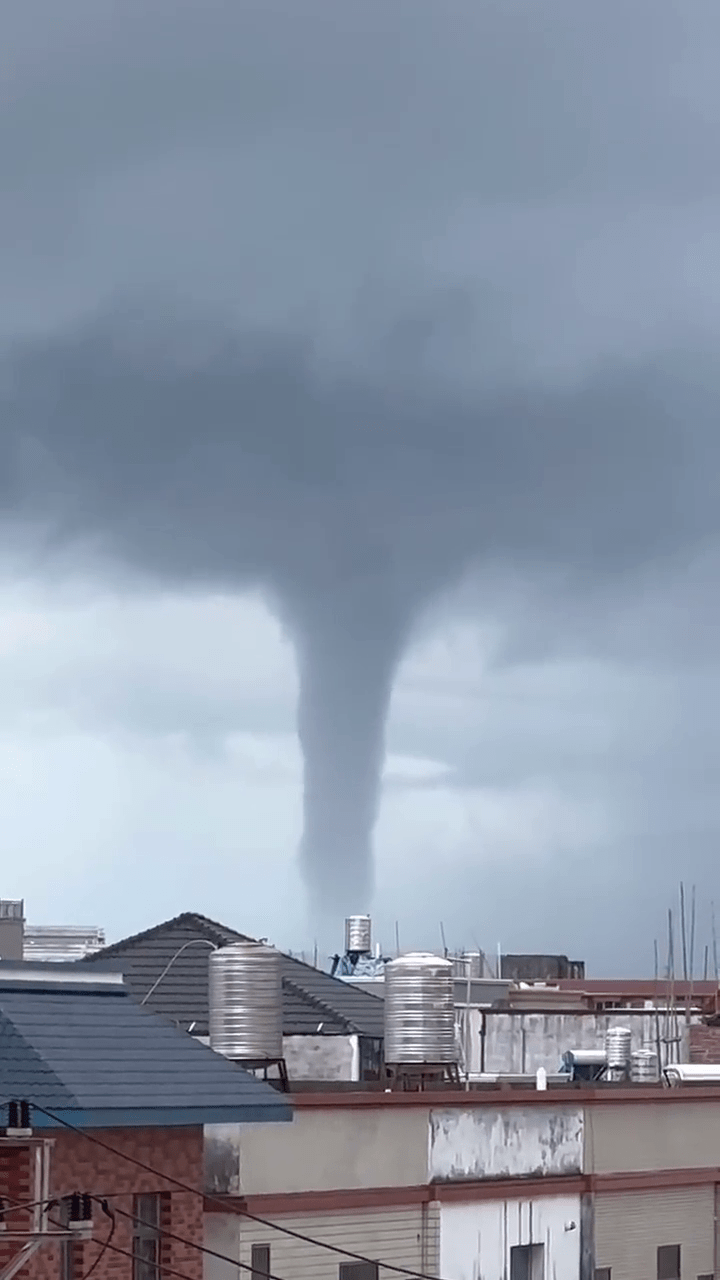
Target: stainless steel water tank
x=419, y=1010
x=358, y=935
x=618, y=1044
x=644, y=1066
x=245, y=988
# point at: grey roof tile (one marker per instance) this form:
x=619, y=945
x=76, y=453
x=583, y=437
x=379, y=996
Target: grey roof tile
x=93, y=1048
x=310, y=996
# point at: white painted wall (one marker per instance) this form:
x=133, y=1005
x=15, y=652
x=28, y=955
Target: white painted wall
x=475, y=1239
x=505, y=1142
x=222, y=1235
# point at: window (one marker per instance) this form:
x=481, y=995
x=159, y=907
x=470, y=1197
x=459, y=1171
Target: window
x=602, y=1273
x=260, y=1261
x=668, y=1262
x=370, y=1058
x=358, y=1271
x=146, y=1237
x=527, y=1262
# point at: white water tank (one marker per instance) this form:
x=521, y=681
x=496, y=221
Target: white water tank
x=644, y=1066
x=246, y=1013
x=358, y=935
x=419, y=1011
x=618, y=1045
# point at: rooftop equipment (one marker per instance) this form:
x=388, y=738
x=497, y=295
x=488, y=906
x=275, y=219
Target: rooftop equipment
x=420, y=1017
x=358, y=936
x=246, y=1011
x=588, y=1065
x=680, y=1073
x=644, y=1066
x=618, y=1046
x=358, y=960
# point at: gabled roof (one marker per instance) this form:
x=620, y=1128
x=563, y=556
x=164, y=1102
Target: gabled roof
x=313, y=1001
x=76, y=1043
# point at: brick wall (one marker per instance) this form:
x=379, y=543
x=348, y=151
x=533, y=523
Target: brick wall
x=704, y=1043
x=79, y=1165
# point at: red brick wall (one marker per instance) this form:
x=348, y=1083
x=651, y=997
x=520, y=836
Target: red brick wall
x=77, y=1164
x=704, y=1043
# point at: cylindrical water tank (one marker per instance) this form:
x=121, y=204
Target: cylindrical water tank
x=245, y=988
x=419, y=1011
x=643, y=1066
x=358, y=935
x=618, y=1043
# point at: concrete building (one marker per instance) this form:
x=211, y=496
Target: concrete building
x=116, y=1102
x=331, y=1030
x=518, y=1041
x=571, y=1184
x=59, y=943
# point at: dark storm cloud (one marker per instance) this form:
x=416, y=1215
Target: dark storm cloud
x=463, y=317
x=353, y=503
x=207, y=467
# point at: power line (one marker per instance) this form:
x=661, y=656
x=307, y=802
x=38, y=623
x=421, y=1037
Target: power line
x=65, y=1235
x=107, y=1244
x=164, y=1270
x=274, y=1226
x=13, y=1206
x=114, y=1248
x=211, y=1253
x=161, y=1233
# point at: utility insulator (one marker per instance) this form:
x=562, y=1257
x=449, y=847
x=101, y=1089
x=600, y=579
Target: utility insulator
x=18, y=1125
x=80, y=1219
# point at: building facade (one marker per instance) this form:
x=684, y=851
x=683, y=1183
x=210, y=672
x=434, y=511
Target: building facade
x=607, y=1183
x=151, y=1216
x=102, y=1129
x=331, y=1030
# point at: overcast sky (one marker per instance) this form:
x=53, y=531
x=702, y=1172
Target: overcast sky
x=386, y=330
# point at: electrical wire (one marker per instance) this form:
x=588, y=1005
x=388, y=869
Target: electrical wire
x=18, y=1207
x=107, y=1244
x=163, y=1270
x=192, y=1244
x=416, y=1275
x=185, y=1186
x=51, y=1204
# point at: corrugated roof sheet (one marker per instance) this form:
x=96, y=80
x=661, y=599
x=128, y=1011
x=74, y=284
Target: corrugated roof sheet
x=310, y=996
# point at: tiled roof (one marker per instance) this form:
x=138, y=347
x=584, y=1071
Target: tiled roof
x=84, y=1047
x=312, y=999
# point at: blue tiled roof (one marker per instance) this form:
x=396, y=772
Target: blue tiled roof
x=86, y=1049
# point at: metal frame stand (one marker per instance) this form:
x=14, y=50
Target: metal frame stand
x=39, y=1233
x=415, y=1077
x=263, y=1064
